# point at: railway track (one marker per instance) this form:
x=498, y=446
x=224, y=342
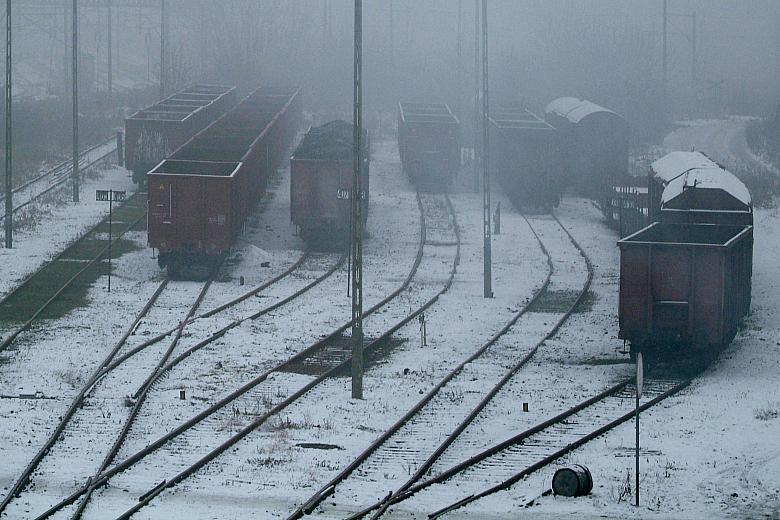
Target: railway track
x=58, y=280
x=415, y=441
x=507, y=463
x=467, y=468
x=50, y=180
x=109, y=383
x=190, y=437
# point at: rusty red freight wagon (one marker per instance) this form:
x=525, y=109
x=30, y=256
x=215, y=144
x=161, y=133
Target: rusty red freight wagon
x=684, y=286
x=153, y=133
x=321, y=170
x=429, y=144
x=200, y=197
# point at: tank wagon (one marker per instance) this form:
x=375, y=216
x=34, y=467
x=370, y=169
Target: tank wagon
x=525, y=152
x=429, y=144
x=321, y=171
x=153, y=133
x=594, y=142
x=201, y=195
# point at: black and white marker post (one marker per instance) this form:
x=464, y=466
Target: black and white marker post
x=109, y=196
x=639, y=383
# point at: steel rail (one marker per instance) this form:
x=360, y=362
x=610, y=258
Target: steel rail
x=59, y=255
x=140, y=395
x=328, y=489
x=146, y=498
x=24, y=479
x=382, y=505
x=27, y=324
x=104, y=477
x=219, y=309
x=112, y=362
x=559, y=453
x=60, y=169
x=164, y=367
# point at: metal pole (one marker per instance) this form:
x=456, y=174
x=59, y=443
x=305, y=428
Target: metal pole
x=65, y=50
x=110, y=55
x=162, y=49
x=639, y=384
x=357, y=212
x=75, y=78
x=665, y=58
x=694, y=57
x=110, y=219
x=476, y=96
x=459, y=83
x=9, y=207
x=636, y=421
x=488, y=282
x=392, y=38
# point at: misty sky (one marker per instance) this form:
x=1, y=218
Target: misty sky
x=605, y=50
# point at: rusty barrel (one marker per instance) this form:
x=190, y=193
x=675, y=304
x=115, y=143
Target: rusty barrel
x=573, y=481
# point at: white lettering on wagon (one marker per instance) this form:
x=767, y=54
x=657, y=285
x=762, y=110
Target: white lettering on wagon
x=219, y=220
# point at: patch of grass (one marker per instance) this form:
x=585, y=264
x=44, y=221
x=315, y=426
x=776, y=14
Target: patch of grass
x=767, y=413
x=22, y=305
x=604, y=361
x=561, y=301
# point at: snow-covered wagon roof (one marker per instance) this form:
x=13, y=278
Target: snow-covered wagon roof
x=710, y=178
x=575, y=110
x=674, y=164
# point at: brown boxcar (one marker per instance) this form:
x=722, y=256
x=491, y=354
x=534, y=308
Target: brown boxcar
x=321, y=183
x=684, y=286
x=201, y=196
x=154, y=133
x=429, y=144
x=525, y=158
x=595, y=143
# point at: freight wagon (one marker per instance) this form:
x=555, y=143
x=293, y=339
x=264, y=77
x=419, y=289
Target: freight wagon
x=525, y=158
x=429, y=144
x=200, y=197
x=154, y=133
x=321, y=171
x=684, y=287
x=595, y=143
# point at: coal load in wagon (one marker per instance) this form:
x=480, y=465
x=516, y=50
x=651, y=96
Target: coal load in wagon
x=329, y=142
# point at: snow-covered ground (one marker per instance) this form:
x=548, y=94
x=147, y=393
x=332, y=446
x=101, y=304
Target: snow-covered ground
x=711, y=451
x=49, y=226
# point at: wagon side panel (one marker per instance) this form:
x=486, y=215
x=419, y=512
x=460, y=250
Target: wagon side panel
x=635, y=307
